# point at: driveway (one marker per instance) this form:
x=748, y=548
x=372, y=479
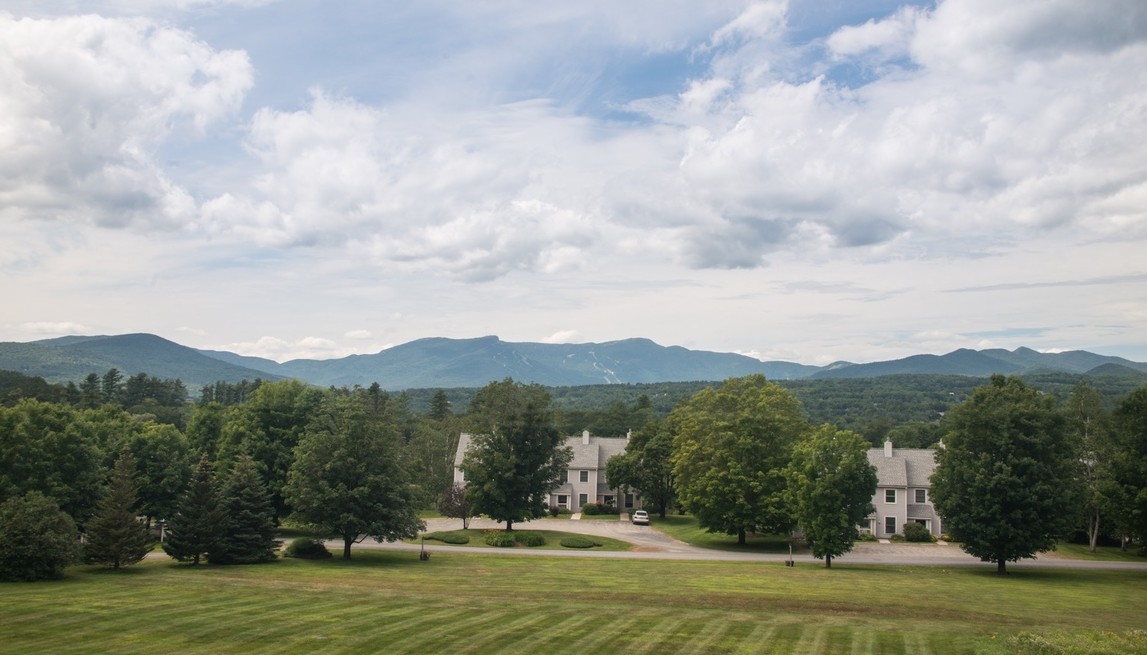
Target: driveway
x=649, y=543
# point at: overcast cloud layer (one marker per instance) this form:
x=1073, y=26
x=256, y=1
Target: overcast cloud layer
x=785, y=179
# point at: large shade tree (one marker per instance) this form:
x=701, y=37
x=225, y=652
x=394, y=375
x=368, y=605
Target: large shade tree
x=516, y=456
x=1003, y=479
x=347, y=479
x=731, y=447
x=646, y=467
x=831, y=483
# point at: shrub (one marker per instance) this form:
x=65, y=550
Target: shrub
x=578, y=541
x=866, y=536
x=37, y=539
x=500, y=538
x=896, y=537
x=594, y=509
x=531, y=539
x=947, y=537
x=555, y=510
x=456, y=537
x=307, y=548
x=917, y=533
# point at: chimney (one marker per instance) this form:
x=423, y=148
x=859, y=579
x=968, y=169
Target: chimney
x=888, y=449
x=628, y=434
x=585, y=437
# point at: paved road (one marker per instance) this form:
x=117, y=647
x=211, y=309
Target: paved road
x=652, y=544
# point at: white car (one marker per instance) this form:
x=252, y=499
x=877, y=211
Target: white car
x=640, y=517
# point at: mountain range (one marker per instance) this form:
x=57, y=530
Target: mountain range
x=449, y=363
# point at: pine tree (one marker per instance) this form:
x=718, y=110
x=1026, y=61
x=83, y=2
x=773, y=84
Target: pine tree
x=249, y=529
x=195, y=529
x=116, y=536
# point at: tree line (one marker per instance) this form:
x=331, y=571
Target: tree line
x=744, y=457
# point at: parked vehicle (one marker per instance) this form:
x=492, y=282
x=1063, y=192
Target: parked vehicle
x=640, y=517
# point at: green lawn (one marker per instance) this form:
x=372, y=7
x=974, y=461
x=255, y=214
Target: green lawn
x=388, y=601
x=685, y=528
x=553, y=540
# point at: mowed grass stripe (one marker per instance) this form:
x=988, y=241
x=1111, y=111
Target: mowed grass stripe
x=449, y=628
x=561, y=627
x=509, y=629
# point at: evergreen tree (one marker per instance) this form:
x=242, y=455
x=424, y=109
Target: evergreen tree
x=195, y=529
x=249, y=527
x=439, y=406
x=116, y=536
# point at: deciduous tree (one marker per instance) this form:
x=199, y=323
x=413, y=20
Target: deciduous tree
x=646, y=467
x=1003, y=478
x=516, y=454
x=731, y=447
x=37, y=539
x=346, y=478
x=831, y=484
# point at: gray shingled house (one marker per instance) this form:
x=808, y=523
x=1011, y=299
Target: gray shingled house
x=903, y=490
x=584, y=481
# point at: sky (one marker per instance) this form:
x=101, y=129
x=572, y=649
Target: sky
x=810, y=180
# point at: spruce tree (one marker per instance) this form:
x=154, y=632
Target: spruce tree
x=195, y=529
x=116, y=536
x=249, y=528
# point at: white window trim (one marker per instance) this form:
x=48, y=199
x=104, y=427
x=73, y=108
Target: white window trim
x=917, y=495
x=889, y=502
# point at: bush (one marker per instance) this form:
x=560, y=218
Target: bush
x=594, y=509
x=896, y=537
x=37, y=539
x=917, y=533
x=531, y=539
x=866, y=536
x=555, y=511
x=500, y=538
x=307, y=548
x=578, y=541
x=456, y=537
x=947, y=537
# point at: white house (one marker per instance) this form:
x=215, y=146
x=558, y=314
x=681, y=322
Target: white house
x=903, y=490
x=584, y=481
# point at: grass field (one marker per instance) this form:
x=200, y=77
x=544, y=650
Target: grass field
x=389, y=602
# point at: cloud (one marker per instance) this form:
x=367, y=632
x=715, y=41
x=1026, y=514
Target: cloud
x=359, y=334
x=86, y=103
x=563, y=336
x=282, y=350
x=56, y=328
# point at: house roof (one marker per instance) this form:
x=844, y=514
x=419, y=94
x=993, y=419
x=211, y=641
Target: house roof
x=908, y=467
x=593, y=455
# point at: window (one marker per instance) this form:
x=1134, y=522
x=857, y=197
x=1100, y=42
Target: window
x=563, y=500
x=889, y=525
x=608, y=500
x=921, y=496
x=628, y=501
x=584, y=476
x=890, y=495
x=565, y=476
x=582, y=499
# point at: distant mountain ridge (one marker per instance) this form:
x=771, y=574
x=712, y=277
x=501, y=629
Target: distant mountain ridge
x=447, y=363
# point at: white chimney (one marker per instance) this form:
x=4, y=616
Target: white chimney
x=888, y=449
x=585, y=437
x=628, y=434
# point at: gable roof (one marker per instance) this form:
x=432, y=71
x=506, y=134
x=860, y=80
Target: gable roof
x=908, y=467
x=593, y=455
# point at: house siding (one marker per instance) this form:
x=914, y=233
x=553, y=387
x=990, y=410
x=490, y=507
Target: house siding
x=904, y=471
x=590, y=453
